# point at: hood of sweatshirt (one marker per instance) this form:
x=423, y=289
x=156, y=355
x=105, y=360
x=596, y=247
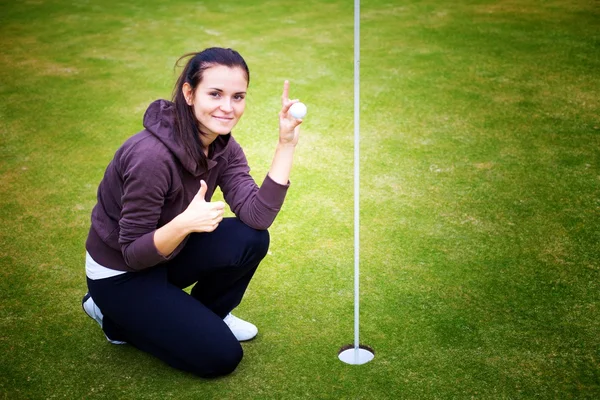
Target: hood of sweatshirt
x=159, y=120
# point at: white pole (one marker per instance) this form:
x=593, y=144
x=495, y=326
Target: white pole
x=356, y=171
x=356, y=355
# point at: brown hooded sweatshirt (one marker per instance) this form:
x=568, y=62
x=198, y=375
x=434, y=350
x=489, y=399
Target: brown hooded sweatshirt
x=152, y=179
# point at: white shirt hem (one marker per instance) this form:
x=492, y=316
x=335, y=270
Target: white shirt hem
x=95, y=271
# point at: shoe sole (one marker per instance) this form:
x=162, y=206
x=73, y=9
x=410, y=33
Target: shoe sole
x=85, y=298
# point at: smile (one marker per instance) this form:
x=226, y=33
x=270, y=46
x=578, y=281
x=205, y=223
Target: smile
x=223, y=118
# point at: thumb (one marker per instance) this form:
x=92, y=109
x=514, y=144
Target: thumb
x=202, y=191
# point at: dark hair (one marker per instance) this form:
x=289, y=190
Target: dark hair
x=186, y=125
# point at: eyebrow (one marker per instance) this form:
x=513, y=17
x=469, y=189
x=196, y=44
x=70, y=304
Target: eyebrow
x=220, y=90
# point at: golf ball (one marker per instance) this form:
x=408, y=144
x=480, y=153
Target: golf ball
x=298, y=110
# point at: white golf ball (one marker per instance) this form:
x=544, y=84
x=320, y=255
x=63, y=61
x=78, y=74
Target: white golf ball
x=298, y=110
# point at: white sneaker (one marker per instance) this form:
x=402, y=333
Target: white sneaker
x=242, y=330
x=92, y=310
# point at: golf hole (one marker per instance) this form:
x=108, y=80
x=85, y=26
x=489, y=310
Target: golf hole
x=356, y=356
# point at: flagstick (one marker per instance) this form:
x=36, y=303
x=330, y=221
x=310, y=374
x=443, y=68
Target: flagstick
x=356, y=174
x=357, y=355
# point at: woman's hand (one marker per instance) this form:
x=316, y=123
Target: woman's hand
x=200, y=215
x=289, y=127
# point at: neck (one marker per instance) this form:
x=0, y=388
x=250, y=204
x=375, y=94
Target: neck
x=206, y=140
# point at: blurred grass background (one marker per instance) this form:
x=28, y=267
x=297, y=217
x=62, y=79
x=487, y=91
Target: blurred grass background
x=480, y=198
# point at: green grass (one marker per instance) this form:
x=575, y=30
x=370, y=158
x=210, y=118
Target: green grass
x=480, y=177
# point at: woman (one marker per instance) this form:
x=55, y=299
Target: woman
x=155, y=231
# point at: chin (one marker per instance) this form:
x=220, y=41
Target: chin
x=222, y=131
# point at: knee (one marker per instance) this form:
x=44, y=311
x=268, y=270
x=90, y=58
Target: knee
x=256, y=243
x=222, y=362
x=227, y=361
x=261, y=242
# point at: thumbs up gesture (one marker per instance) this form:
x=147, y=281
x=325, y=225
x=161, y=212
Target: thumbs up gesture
x=203, y=216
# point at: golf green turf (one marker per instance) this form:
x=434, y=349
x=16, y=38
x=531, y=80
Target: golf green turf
x=480, y=194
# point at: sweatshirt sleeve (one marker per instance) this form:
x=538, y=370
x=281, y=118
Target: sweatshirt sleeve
x=146, y=182
x=256, y=206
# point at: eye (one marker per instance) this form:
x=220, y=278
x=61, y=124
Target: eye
x=216, y=95
x=239, y=97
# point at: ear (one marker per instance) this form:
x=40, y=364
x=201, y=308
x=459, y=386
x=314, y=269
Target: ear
x=188, y=94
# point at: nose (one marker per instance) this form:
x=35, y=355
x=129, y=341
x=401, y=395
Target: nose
x=226, y=105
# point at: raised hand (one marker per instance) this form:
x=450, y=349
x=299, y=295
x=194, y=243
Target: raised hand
x=289, y=127
x=200, y=215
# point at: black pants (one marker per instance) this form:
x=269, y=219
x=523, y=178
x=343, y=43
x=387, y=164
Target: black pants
x=150, y=311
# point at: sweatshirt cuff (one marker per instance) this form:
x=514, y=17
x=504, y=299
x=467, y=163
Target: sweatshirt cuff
x=271, y=193
x=142, y=253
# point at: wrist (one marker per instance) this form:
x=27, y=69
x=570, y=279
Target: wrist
x=285, y=145
x=180, y=226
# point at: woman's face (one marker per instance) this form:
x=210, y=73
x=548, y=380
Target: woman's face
x=219, y=100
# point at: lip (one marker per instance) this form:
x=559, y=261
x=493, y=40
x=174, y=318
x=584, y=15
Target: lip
x=222, y=118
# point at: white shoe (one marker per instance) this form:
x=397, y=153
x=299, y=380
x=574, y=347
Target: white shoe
x=242, y=330
x=92, y=310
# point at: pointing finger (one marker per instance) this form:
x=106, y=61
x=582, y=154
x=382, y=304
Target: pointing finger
x=286, y=90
